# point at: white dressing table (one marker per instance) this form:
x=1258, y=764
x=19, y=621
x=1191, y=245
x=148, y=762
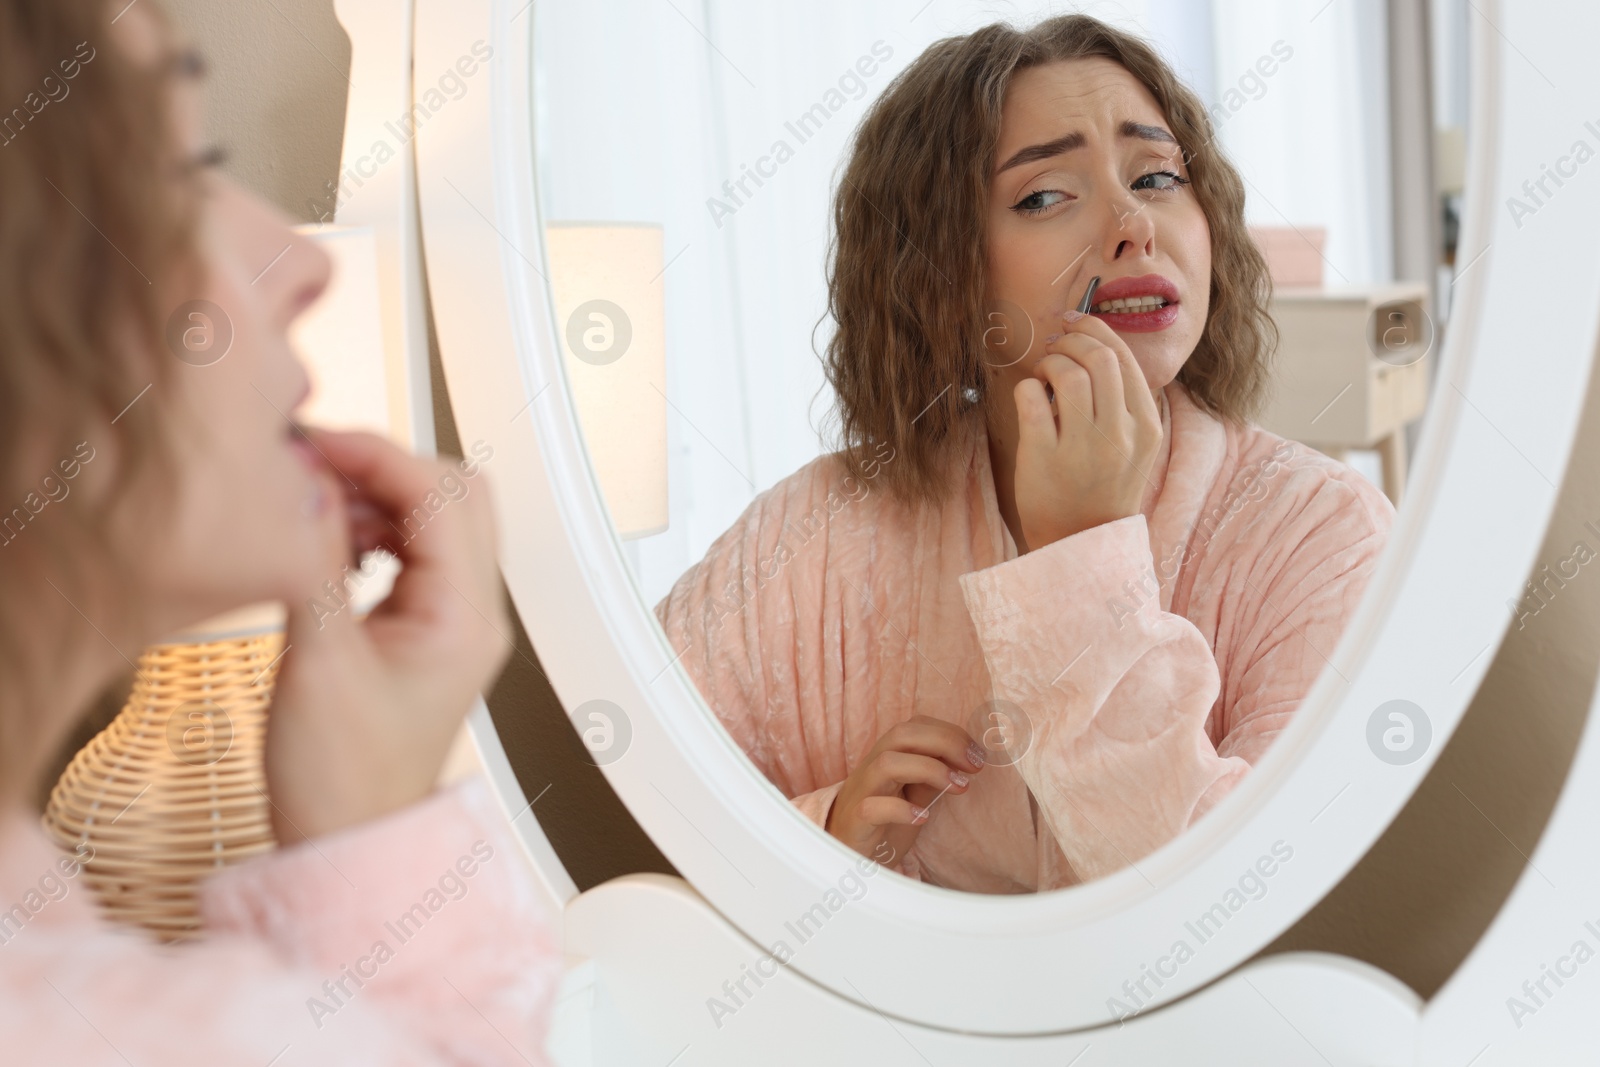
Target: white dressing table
x=909, y=974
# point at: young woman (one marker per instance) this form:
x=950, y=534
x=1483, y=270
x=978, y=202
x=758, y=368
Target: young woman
x=190, y=491
x=1058, y=535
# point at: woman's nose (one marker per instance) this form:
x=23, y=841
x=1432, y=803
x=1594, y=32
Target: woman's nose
x=314, y=271
x=1129, y=227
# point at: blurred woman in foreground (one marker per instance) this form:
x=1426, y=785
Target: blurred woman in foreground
x=141, y=493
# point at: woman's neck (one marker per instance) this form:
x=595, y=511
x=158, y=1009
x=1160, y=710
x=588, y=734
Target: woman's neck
x=60, y=655
x=1002, y=432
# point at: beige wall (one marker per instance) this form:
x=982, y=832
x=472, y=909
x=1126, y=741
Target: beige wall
x=1414, y=905
x=277, y=75
x=1421, y=897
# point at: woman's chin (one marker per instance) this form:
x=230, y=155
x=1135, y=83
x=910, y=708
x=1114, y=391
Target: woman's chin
x=274, y=562
x=1160, y=367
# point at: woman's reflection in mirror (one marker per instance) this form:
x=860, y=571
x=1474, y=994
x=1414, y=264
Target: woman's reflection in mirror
x=1083, y=592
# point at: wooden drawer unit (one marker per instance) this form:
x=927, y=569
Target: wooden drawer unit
x=1352, y=369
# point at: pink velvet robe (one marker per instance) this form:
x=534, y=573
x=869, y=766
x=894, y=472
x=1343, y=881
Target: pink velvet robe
x=1156, y=656
x=290, y=972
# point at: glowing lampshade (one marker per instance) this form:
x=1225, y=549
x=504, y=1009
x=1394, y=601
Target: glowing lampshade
x=340, y=339
x=606, y=284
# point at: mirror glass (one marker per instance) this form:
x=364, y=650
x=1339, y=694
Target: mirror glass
x=999, y=595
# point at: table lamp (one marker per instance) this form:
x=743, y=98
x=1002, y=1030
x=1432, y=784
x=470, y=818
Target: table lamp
x=606, y=286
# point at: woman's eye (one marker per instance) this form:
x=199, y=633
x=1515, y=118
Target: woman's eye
x=1038, y=202
x=209, y=158
x=1160, y=180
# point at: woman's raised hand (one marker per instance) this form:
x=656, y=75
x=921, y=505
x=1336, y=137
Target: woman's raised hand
x=365, y=710
x=888, y=797
x=1088, y=461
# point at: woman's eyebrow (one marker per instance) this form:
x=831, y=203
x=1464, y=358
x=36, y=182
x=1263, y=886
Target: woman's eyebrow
x=1070, y=141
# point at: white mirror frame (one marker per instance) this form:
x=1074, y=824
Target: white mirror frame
x=1483, y=486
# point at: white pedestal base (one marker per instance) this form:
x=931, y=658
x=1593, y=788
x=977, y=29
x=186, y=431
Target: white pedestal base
x=651, y=959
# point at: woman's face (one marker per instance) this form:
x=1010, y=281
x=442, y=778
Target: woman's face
x=239, y=532
x=1088, y=181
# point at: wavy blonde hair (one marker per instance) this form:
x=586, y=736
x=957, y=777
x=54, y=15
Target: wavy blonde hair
x=906, y=271
x=95, y=239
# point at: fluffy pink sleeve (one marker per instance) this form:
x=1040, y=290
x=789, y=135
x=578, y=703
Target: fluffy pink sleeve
x=1118, y=696
x=414, y=940
x=425, y=922
x=427, y=918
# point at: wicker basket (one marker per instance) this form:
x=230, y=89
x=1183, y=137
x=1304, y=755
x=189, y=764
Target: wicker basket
x=173, y=789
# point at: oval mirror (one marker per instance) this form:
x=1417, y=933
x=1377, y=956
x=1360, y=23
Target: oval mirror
x=1200, y=700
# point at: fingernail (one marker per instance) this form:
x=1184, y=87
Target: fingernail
x=919, y=815
x=1052, y=339
x=1074, y=315
x=959, y=778
x=975, y=754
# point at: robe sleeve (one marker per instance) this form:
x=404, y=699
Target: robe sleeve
x=1115, y=692
x=816, y=804
x=425, y=916
x=414, y=940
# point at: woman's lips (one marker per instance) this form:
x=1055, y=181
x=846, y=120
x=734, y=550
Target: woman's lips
x=1139, y=321
x=1144, y=285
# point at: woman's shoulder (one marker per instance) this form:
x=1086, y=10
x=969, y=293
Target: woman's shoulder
x=1305, y=483
x=825, y=493
x=821, y=516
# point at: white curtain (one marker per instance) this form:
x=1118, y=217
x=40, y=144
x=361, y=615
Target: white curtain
x=726, y=122
x=1312, y=140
